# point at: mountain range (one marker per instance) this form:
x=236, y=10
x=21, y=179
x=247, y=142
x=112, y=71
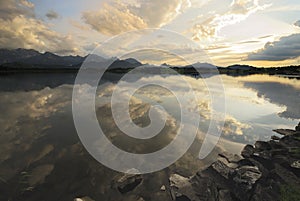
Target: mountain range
x=33, y=58
x=19, y=60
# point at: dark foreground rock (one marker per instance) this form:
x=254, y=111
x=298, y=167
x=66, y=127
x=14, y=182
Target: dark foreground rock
x=269, y=171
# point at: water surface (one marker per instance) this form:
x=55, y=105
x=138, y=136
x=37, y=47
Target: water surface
x=41, y=157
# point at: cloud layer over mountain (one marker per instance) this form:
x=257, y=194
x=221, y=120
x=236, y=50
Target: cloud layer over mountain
x=21, y=29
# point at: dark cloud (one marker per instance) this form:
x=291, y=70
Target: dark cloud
x=286, y=48
x=52, y=15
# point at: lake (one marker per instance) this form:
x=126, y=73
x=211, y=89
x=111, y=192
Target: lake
x=42, y=158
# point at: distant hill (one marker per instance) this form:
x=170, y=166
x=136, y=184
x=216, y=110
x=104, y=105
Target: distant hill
x=240, y=67
x=28, y=58
x=34, y=57
x=12, y=56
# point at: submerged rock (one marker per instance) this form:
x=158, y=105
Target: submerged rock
x=247, y=176
x=38, y=174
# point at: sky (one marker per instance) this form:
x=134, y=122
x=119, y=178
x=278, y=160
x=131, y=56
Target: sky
x=253, y=32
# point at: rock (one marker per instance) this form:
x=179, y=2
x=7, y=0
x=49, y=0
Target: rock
x=264, y=154
x=83, y=199
x=286, y=175
x=297, y=128
x=285, y=131
x=231, y=158
x=228, y=164
x=38, y=174
x=225, y=195
x=248, y=151
x=274, y=137
x=296, y=164
x=247, y=176
x=163, y=188
x=181, y=188
x=127, y=183
x=262, y=146
x=222, y=169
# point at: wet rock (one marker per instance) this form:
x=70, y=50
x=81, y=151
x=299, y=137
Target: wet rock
x=286, y=175
x=264, y=154
x=228, y=164
x=181, y=188
x=222, y=169
x=86, y=198
x=163, y=188
x=247, y=176
x=260, y=175
x=38, y=174
x=248, y=151
x=296, y=164
x=297, y=128
x=274, y=137
x=225, y=195
x=285, y=131
x=262, y=146
x=127, y=183
x=231, y=158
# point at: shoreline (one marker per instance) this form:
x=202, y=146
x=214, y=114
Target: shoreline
x=266, y=171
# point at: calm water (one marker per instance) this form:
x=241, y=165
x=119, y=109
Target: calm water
x=41, y=157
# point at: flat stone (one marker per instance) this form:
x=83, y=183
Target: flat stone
x=181, y=188
x=231, y=158
x=285, y=131
x=222, y=169
x=247, y=176
x=228, y=164
x=274, y=137
x=262, y=146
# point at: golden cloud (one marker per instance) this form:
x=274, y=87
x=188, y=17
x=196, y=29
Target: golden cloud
x=121, y=16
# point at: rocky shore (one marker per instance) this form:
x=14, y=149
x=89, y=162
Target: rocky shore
x=266, y=171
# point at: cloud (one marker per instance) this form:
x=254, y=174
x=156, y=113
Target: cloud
x=112, y=20
x=121, y=16
x=52, y=15
x=20, y=29
x=297, y=23
x=287, y=47
x=12, y=8
x=239, y=10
